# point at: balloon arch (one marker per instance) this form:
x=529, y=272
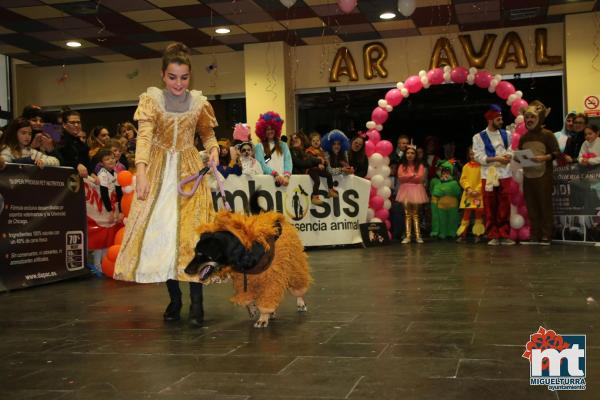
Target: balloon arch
x=378, y=150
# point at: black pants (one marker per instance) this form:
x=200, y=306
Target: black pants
x=175, y=290
x=315, y=173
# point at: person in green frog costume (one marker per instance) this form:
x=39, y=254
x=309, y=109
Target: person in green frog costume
x=445, y=197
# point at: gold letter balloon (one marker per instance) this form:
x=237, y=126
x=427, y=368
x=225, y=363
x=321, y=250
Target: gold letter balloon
x=437, y=60
x=477, y=59
x=374, y=55
x=343, y=64
x=517, y=55
x=541, y=49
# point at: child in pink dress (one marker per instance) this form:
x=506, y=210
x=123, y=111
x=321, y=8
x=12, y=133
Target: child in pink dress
x=411, y=192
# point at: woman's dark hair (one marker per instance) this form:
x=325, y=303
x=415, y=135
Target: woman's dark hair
x=593, y=127
x=92, y=140
x=104, y=152
x=267, y=149
x=357, y=157
x=226, y=159
x=10, y=139
x=335, y=160
x=302, y=137
x=404, y=160
x=177, y=53
x=582, y=115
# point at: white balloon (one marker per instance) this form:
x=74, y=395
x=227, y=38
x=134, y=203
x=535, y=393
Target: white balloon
x=371, y=124
x=470, y=79
x=422, y=73
x=385, y=170
x=498, y=77
x=518, y=176
x=379, y=127
x=472, y=71
x=519, y=119
x=517, y=221
x=384, y=192
x=127, y=189
x=371, y=172
x=382, y=103
x=494, y=83
x=519, y=94
x=375, y=220
x=370, y=214
x=400, y=85
x=492, y=89
x=386, y=161
x=424, y=80
x=388, y=182
x=377, y=181
x=376, y=160
x=387, y=204
x=447, y=69
x=426, y=85
x=288, y=3
x=405, y=92
x=407, y=7
x=389, y=108
x=511, y=99
x=447, y=77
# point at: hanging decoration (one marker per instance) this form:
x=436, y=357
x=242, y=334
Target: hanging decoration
x=347, y=6
x=374, y=55
x=407, y=7
x=477, y=59
x=378, y=150
x=288, y=3
x=64, y=76
x=343, y=64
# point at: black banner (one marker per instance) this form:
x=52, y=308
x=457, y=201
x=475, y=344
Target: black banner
x=42, y=225
x=576, y=202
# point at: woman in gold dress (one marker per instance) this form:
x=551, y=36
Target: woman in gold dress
x=160, y=233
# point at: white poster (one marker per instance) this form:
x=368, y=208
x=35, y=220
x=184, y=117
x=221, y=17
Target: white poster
x=335, y=222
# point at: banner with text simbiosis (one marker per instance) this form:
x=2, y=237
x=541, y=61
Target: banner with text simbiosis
x=42, y=225
x=576, y=201
x=337, y=221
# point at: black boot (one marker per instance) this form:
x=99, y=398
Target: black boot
x=172, y=313
x=196, y=308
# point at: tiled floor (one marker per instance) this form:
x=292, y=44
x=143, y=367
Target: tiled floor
x=434, y=321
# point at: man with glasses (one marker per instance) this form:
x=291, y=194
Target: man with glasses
x=574, y=143
x=73, y=152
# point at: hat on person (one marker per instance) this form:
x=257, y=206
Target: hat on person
x=493, y=112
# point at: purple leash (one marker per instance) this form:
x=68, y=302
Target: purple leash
x=197, y=178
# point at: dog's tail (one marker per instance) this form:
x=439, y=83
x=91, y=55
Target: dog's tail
x=255, y=208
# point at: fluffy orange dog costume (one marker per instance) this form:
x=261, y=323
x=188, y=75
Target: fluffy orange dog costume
x=276, y=254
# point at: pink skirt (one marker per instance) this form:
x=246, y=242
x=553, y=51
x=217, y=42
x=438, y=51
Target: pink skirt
x=413, y=193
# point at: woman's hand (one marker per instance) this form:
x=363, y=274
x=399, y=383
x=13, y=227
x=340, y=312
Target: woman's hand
x=286, y=180
x=39, y=162
x=82, y=170
x=280, y=180
x=213, y=161
x=142, y=187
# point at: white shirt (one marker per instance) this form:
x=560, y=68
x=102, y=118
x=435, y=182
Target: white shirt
x=593, y=147
x=481, y=157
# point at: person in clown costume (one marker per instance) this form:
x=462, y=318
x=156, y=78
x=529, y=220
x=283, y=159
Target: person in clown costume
x=273, y=153
x=445, y=195
x=472, y=199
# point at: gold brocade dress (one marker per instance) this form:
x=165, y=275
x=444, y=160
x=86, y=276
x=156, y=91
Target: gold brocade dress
x=161, y=231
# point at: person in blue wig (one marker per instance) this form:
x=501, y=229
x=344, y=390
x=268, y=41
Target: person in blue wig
x=336, y=144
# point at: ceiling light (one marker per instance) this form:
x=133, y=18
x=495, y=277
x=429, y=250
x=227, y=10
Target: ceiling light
x=223, y=30
x=73, y=43
x=387, y=15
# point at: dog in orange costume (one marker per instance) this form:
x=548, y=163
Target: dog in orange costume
x=261, y=253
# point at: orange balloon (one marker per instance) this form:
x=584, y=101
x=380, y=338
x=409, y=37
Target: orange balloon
x=125, y=178
x=113, y=252
x=119, y=236
x=108, y=267
x=126, y=203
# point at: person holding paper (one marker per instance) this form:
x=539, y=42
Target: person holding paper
x=538, y=179
x=492, y=150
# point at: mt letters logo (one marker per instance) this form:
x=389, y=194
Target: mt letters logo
x=556, y=361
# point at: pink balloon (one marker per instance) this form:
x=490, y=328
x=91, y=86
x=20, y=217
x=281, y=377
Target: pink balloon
x=347, y=6
x=521, y=128
x=379, y=115
x=382, y=214
x=435, y=76
x=523, y=211
x=514, y=234
x=504, y=89
x=388, y=224
x=459, y=75
x=514, y=141
x=413, y=84
x=483, y=79
x=376, y=203
x=394, y=97
x=369, y=148
x=373, y=192
x=524, y=233
x=517, y=106
x=384, y=147
x=374, y=135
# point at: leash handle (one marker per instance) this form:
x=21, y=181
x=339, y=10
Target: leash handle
x=220, y=185
x=196, y=177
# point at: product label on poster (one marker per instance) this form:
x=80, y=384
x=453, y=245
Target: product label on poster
x=337, y=221
x=576, y=201
x=42, y=225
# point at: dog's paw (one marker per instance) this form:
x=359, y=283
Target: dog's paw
x=302, y=308
x=262, y=322
x=253, y=311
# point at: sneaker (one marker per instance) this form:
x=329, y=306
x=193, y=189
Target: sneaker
x=477, y=239
x=419, y=240
x=529, y=242
x=494, y=242
x=507, y=242
x=316, y=200
x=333, y=193
x=460, y=239
x=545, y=242
x=405, y=241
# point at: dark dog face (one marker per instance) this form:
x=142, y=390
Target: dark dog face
x=216, y=250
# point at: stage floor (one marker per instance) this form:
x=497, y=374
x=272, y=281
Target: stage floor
x=432, y=321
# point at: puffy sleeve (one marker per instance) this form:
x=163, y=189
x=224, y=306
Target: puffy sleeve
x=145, y=115
x=206, y=124
x=48, y=160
